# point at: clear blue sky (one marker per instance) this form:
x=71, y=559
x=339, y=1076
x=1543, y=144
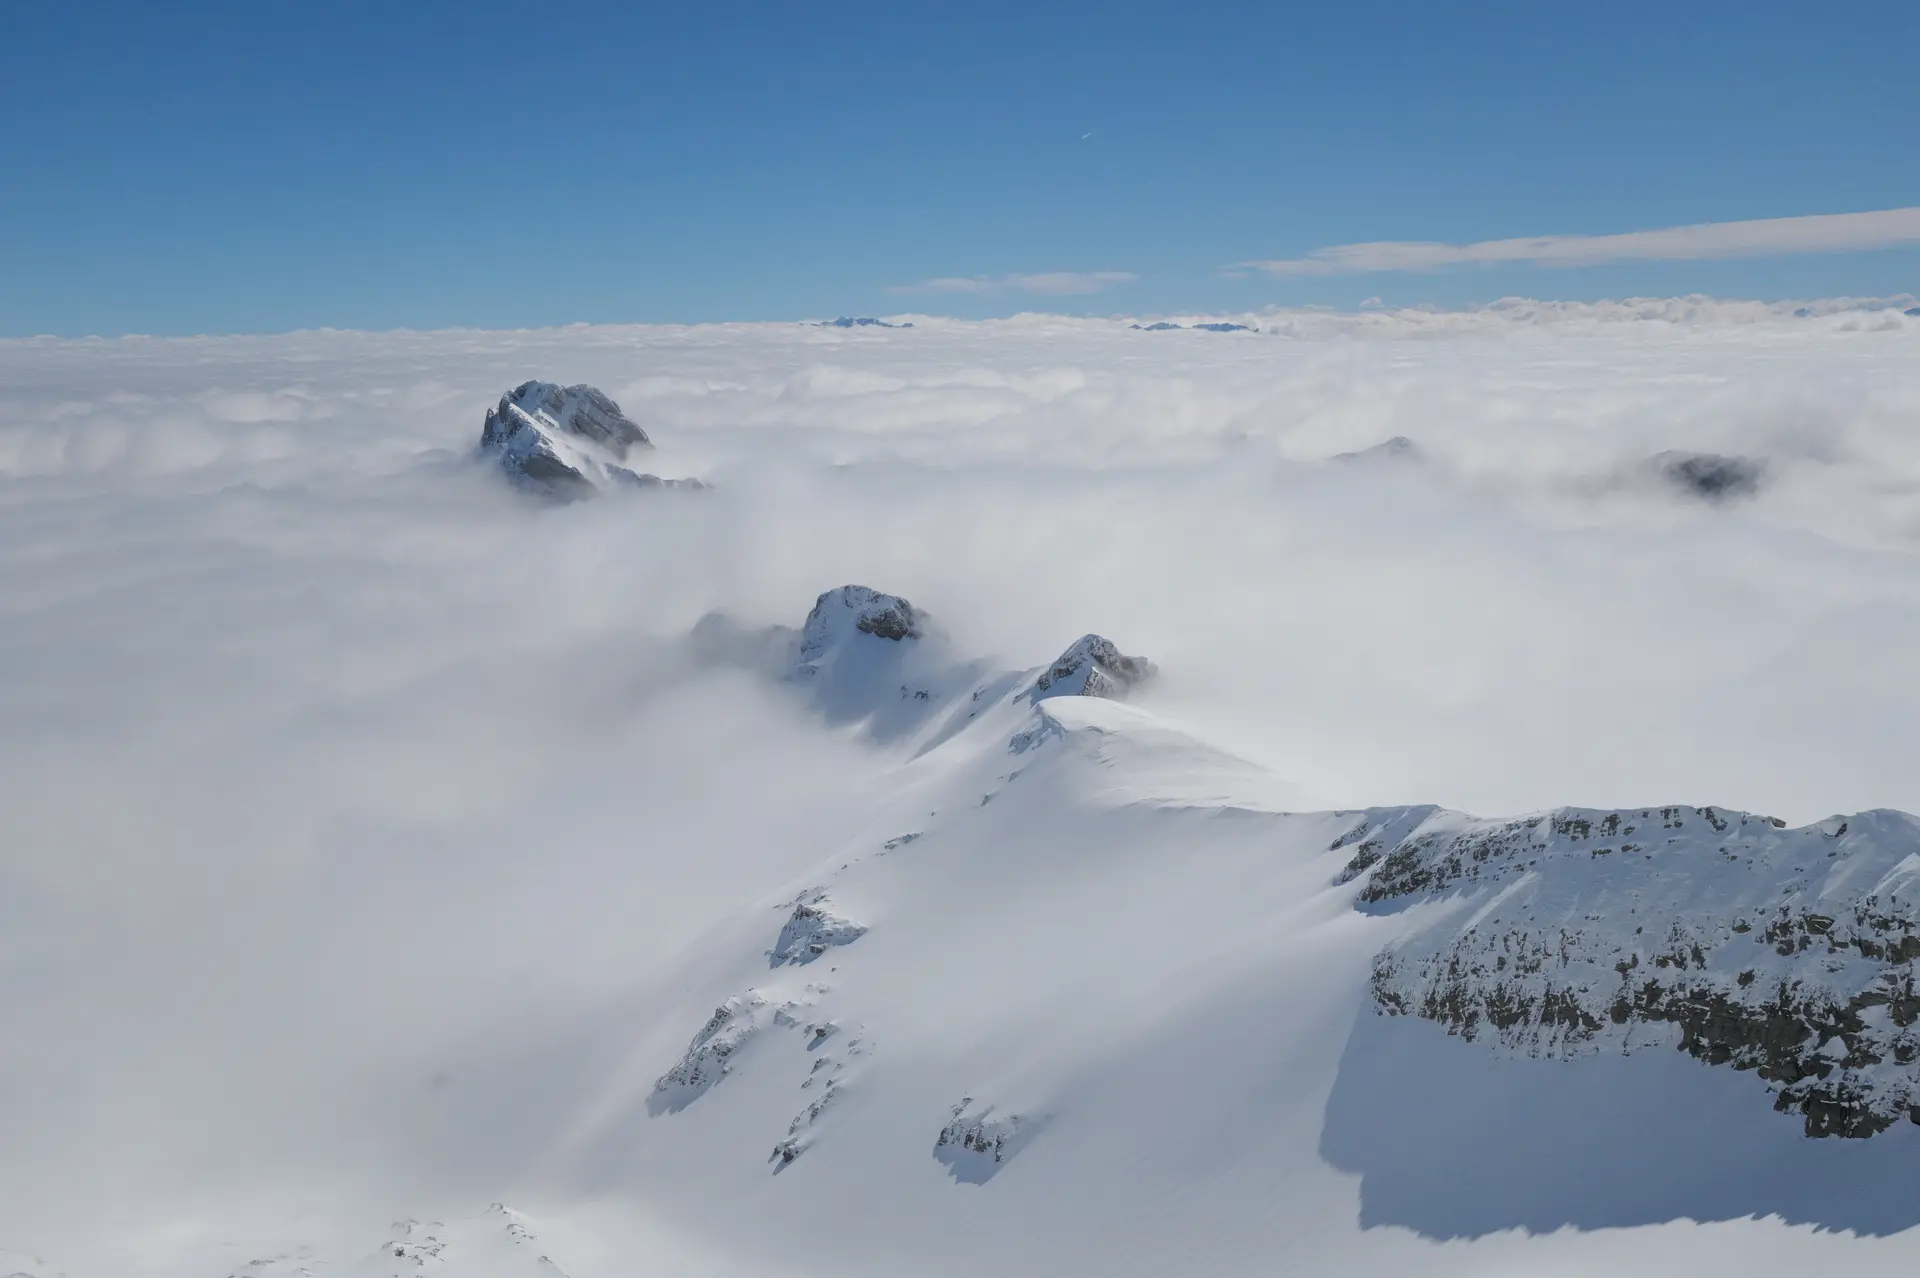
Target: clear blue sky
x=261, y=165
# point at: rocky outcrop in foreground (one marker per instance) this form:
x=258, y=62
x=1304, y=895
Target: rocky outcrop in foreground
x=567, y=442
x=1788, y=953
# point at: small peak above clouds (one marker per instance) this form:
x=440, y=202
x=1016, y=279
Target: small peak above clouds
x=859, y=610
x=860, y=321
x=1215, y=326
x=1712, y=477
x=578, y=411
x=1399, y=448
x=567, y=442
x=1093, y=667
x=873, y=658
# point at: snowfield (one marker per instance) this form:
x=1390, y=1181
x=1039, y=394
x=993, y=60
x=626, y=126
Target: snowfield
x=1013, y=819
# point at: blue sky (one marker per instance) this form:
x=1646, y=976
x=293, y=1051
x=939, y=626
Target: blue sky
x=266, y=165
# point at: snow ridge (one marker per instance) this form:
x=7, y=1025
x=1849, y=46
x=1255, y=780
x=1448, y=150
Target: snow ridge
x=1786, y=952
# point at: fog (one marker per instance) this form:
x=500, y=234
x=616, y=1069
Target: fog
x=332, y=770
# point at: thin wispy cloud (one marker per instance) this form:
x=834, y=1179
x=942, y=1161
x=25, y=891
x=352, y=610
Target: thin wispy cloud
x=1764, y=237
x=1044, y=284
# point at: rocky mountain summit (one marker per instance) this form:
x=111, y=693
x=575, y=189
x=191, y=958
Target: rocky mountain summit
x=567, y=442
x=1785, y=952
x=1092, y=667
x=856, y=610
x=874, y=658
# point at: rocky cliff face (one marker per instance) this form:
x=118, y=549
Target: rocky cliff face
x=1785, y=952
x=567, y=442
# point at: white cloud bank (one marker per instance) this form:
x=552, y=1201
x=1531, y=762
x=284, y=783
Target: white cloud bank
x=1765, y=237
x=355, y=815
x=1043, y=284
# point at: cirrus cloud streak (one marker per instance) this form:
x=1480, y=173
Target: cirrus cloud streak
x=1764, y=237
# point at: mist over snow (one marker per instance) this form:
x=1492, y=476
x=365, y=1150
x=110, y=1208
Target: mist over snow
x=374, y=840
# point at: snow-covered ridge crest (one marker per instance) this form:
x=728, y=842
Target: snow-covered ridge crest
x=566, y=442
x=1787, y=952
x=874, y=658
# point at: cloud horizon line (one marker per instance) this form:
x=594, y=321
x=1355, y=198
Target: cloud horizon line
x=1762, y=237
x=1041, y=284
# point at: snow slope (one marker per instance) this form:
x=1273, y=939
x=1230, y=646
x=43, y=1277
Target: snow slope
x=1041, y=979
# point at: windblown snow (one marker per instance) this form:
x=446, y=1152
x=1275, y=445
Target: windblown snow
x=1017, y=817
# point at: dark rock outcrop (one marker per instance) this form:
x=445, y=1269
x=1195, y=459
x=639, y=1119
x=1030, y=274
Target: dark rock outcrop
x=978, y=1142
x=1711, y=476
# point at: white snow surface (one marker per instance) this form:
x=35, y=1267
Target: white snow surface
x=376, y=845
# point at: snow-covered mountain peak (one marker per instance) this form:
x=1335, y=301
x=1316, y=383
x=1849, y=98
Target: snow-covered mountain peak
x=567, y=441
x=581, y=412
x=1092, y=667
x=840, y=615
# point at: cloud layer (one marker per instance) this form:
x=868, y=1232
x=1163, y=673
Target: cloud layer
x=1766, y=237
x=323, y=757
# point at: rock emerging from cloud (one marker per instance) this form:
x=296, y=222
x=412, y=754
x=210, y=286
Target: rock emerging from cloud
x=567, y=442
x=1399, y=448
x=1711, y=476
x=1221, y=326
x=860, y=609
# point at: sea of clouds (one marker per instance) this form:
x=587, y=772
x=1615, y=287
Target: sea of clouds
x=323, y=752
